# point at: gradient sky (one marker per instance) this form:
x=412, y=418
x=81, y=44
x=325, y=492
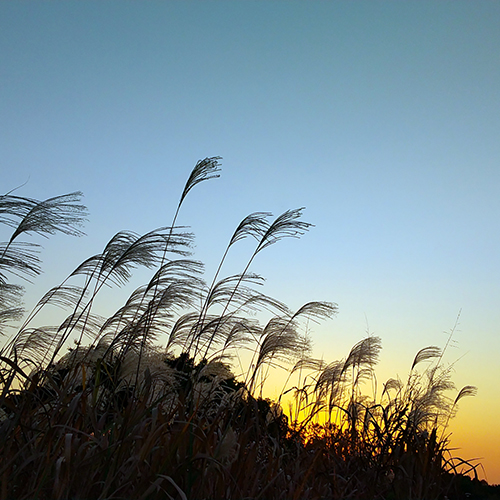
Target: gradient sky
x=382, y=118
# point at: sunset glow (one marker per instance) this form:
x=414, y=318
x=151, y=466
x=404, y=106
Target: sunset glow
x=382, y=119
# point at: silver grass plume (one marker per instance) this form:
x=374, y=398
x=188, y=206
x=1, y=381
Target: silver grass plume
x=127, y=250
x=182, y=330
x=124, y=252
x=254, y=225
x=177, y=270
x=242, y=331
x=26, y=215
x=64, y=296
x=231, y=291
x=32, y=343
x=467, y=391
x=204, y=170
x=425, y=354
x=224, y=289
x=287, y=225
x=317, y=310
x=19, y=259
x=173, y=287
x=10, y=303
x=281, y=342
x=392, y=384
x=62, y=214
x=164, y=304
x=364, y=353
x=329, y=384
x=213, y=332
x=429, y=403
x=89, y=325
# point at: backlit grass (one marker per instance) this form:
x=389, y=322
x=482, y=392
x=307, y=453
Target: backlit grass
x=147, y=403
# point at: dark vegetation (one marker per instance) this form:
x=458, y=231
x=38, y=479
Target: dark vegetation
x=145, y=403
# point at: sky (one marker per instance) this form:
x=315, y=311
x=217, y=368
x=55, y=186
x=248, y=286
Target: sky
x=381, y=118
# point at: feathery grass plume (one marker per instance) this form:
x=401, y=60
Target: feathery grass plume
x=33, y=343
x=254, y=225
x=328, y=387
x=146, y=249
x=212, y=333
x=466, y=391
x=59, y=214
x=124, y=252
x=87, y=325
x=132, y=321
x=165, y=305
x=63, y=214
x=317, y=310
x=309, y=364
x=8, y=314
x=10, y=295
x=242, y=332
x=181, y=333
x=314, y=311
x=425, y=354
x=19, y=259
x=10, y=304
x=225, y=289
x=204, y=170
x=222, y=333
x=230, y=291
x=281, y=339
x=365, y=352
x=177, y=270
x=392, y=384
x=280, y=342
x=287, y=225
x=15, y=208
x=175, y=285
x=128, y=250
x=64, y=296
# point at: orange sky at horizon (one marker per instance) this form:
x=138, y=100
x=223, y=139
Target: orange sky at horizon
x=468, y=440
x=471, y=441
x=382, y=118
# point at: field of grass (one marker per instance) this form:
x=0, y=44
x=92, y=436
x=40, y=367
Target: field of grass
x=99, y=408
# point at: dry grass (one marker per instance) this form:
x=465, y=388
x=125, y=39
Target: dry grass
x=121, y=415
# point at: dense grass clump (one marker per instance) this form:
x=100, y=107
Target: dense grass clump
x=148, y=403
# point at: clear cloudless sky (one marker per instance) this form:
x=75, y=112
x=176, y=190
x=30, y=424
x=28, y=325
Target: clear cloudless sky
x=381, y=117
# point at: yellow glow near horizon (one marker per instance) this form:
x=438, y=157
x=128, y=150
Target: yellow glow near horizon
x=467, y=440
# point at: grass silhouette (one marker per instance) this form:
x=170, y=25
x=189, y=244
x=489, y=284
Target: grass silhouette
x=145, y=403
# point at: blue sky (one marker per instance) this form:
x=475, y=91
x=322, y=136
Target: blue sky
x=381, y=118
